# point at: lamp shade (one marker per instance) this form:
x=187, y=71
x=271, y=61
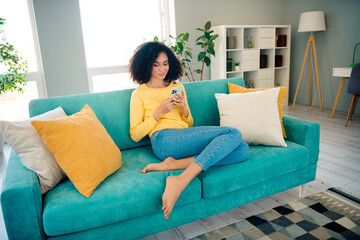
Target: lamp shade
x=312, y=22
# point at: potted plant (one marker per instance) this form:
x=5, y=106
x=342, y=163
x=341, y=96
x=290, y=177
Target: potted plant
x=13, y=69
x=205, y=41
x=237, y=66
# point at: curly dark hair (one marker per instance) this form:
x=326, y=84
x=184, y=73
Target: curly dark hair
x=141, y=63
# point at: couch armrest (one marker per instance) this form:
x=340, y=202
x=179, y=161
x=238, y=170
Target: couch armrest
x=21, y=202
x=305, y=133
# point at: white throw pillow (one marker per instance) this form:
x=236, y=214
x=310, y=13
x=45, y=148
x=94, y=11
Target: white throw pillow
x=27, y=144
x=255, y=114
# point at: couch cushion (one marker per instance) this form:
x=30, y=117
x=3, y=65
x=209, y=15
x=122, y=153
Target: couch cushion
x=126, y=194
x=264, y=163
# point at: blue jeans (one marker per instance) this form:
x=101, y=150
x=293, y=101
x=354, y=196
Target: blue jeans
x=209, y=145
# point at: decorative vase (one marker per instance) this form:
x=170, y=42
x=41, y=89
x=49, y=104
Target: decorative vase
x=237, y=68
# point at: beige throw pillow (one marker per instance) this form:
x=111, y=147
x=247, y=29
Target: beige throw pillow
x=27, y=144
x=255, y=114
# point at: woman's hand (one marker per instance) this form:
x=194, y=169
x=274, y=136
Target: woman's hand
x=180, y=100
x=166, y=106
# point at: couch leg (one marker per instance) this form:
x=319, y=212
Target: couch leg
x=302, y=190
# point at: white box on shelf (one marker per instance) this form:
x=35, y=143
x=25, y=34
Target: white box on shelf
x=250, y=54
x=266, y=73
x=267, y=32
x=250, y=65
x=266, y=43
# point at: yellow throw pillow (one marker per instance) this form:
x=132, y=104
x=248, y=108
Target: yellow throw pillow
x=82, y=147
x=233, y=88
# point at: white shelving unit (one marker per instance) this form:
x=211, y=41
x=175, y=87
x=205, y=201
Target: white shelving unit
x=245, y=44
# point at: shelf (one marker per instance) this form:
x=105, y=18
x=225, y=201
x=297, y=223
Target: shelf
x=269, y=68
x=232, y=44
x=234, y=50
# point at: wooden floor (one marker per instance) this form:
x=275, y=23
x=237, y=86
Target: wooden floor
x=339, y=165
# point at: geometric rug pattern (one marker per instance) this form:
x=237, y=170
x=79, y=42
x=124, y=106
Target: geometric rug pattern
x=325, y=215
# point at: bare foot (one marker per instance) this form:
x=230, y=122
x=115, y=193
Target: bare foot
x=167, y=165
x=174, y=187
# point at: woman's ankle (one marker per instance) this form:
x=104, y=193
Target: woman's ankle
x=178, y=164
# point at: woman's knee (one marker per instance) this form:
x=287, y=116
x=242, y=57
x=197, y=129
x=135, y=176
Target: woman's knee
x=234, y=132
x=244, y=149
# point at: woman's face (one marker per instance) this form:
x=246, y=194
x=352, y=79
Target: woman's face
x=160, y=67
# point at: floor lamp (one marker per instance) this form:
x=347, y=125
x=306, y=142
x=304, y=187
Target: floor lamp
x=311, y=22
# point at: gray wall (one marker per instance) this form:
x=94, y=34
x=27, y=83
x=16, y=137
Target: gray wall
x=62, y=48
x=334, y=48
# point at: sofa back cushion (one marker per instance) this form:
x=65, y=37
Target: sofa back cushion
x=202, y=101
x=112, y=108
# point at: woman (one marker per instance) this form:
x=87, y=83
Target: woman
x=168, y=123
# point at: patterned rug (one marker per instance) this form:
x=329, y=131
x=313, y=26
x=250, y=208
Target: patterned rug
x=330, y=214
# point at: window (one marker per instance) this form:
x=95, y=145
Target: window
x=20, y=31
x=113, y=29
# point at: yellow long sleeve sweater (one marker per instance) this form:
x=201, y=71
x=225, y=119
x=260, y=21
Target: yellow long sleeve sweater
x=144, y=102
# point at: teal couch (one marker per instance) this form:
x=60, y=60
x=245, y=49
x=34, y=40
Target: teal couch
x=127, y=205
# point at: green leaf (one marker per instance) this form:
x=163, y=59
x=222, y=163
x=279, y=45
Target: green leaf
x=214, y=36
x=203, y=38
x=200, y=43
x=207, y=60
x=186, y=36
x=198, y=71
x=200, y=29
x=201, y=55
x=208, y=25
x=179, y=36
x=156, y=39
x=211, y=50
x=188, y=53
x=181, y=46
x=207, y=35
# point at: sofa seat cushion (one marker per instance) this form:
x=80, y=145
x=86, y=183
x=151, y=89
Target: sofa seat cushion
x=126, y=194
x=265, y=162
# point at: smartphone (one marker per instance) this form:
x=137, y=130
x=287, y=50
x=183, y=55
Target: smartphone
x=176, y=91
